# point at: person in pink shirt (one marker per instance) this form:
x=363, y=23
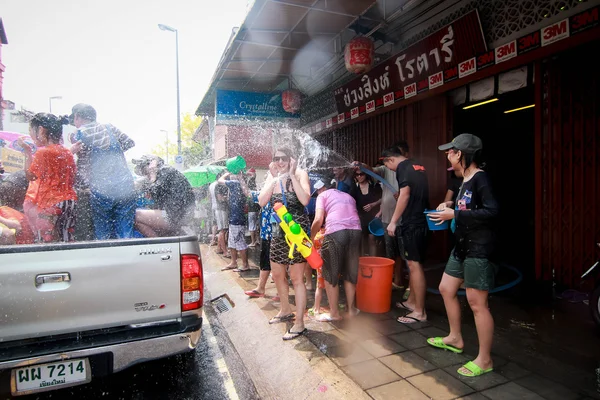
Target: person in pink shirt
x=341, y=245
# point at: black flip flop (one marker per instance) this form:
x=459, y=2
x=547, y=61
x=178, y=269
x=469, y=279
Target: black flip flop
x=289, y=335
x=285, y=318
x=400, y=304
x=408, y=323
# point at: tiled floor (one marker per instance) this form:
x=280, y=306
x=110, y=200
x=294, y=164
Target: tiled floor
x=393, y=361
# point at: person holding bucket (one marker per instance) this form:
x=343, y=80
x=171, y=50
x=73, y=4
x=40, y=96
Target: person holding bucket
x=473, y=224
x=341, y=245
x=289, y=185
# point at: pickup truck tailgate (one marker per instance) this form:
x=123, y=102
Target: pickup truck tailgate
x=78, y=289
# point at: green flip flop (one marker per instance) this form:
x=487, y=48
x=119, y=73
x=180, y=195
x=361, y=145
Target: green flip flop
x=474, y=369
x=439, y=343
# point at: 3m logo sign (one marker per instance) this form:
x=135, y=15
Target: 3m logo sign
x=555, y=32
x=410, y=91
x=467, y=68
x=506, y=52
x=436, y=80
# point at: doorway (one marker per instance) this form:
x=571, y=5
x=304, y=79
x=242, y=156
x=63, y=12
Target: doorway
x=508, y=150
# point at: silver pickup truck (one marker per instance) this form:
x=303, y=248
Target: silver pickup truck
x=72, y=311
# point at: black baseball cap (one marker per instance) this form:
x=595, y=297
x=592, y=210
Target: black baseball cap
x=84, y=111
x=464, y=142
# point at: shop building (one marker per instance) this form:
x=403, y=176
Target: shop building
x=519, y=74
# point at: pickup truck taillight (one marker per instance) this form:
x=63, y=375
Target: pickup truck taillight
x=192, y=288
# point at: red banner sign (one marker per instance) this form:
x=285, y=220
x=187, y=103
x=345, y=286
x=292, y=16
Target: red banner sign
x=454, y=52
x=416, y=69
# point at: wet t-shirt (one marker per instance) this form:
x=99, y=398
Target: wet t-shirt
x=411, y=174
x=237, y=202
x=54, y=169
x=340, y=211
x=173, y=193
x=475, y=213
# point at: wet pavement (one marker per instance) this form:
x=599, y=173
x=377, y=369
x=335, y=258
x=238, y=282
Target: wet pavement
x=213, y=372
x=542, y=349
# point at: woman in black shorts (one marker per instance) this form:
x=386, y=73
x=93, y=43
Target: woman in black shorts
x=288, y=185
x=473, y=219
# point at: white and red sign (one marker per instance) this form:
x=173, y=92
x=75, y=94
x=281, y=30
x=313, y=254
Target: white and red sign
x=436, y=80
x=555, y=32
x=354, y=113
x=370, y=106
x=388, y=99
x=506, y=51
x=467, y=68
x=410, y=91
x=341, y=118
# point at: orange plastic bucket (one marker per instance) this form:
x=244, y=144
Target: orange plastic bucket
x=374, y=285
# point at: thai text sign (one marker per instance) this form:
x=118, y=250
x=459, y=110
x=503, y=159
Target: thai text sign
x=232, y=104
x=415, y=69
x=12, y=160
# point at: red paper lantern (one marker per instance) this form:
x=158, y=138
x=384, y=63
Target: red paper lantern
x=291, y=100
x=358, y=55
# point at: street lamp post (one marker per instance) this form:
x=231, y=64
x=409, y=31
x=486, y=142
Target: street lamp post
x=167, y=136
x=170, y=29
x=50, y=101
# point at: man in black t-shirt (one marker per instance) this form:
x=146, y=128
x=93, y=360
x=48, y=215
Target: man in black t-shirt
x=412, y=232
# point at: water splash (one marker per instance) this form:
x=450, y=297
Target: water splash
x=312, y=155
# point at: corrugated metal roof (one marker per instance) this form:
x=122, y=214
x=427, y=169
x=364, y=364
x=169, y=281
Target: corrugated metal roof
x=283, y=43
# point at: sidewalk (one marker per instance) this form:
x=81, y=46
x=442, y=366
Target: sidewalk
x=388, y=360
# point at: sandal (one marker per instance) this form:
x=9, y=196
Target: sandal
x=254, y=293
x=400, y=304
x=413, y=320
x=284, y=318
x=474, y=369
x=227, y=268
x=241, y=270
x=289, y=335
x=439, y=343
x=327, y=318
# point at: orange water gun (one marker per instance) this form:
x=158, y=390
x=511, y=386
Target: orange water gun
x=296, y=238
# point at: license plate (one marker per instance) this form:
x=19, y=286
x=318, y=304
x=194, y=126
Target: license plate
x=44, y=377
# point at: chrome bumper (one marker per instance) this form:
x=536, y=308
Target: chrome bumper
x=124, y=355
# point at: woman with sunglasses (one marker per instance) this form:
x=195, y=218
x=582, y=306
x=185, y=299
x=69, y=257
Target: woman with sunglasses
x=368, y=201
x=289, y=185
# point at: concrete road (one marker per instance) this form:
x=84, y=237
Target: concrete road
x=214, y=371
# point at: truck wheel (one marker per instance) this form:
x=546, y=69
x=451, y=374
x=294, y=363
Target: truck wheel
x=595, y=305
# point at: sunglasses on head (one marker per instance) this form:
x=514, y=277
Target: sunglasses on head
x=282, y=158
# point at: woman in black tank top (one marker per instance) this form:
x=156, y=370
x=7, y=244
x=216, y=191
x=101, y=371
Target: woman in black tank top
x=289, y=185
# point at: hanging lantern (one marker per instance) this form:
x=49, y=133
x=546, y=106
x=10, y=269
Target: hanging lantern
x=291, y=100
x=358, y=55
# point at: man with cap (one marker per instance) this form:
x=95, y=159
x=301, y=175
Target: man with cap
x=341, y=245
x=172, y=194
x=102, y=172
x=473, y=223
x=409, y=226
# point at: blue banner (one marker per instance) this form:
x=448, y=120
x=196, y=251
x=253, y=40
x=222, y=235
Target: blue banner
x=251, y=105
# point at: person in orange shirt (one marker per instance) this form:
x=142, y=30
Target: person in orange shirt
x=50, y=200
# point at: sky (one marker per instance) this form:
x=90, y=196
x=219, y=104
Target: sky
x=112, y=55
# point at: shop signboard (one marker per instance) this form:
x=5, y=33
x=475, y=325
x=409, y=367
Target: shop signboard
x=234, y=105
x=456, y=51
x=409, y=72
